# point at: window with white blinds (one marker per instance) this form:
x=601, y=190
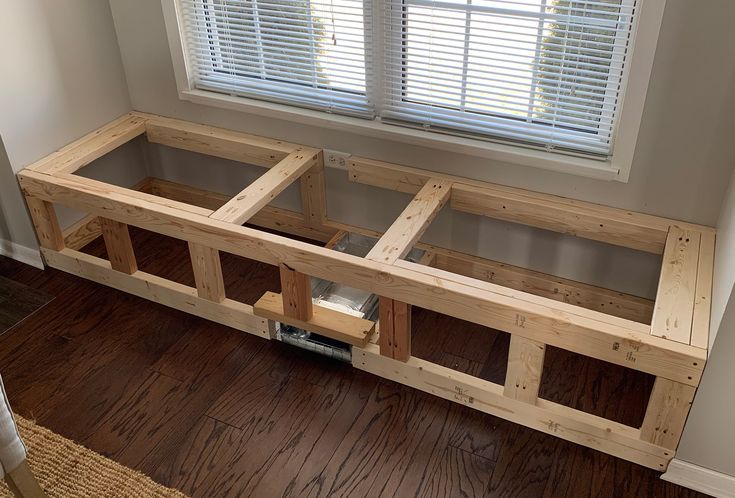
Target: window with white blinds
x=546, y=74
x=308, y=53
x=539, y=72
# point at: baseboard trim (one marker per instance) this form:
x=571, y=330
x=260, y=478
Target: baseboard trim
x=700, y=479
x=21, y=253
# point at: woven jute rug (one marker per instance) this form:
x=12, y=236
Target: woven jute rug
x=66, y=469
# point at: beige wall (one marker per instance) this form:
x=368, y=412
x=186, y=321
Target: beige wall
x=61, y=78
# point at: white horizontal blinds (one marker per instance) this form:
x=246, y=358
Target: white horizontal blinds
x=545, y=73
x=307, y=53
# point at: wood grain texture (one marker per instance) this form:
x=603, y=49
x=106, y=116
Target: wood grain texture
x=295, y=294
x=588, y=296
x=46, y=223
x=559, y=289
x=93, y=346
x=667, y=411
x=160, y=290
x=314, y=194
x=395, y=329
x=324, y=321
x=621, y=227
x=207, y=272
x=399, y=239
x=703, y=298
x=525, y=367
x=676, y=294
x=119, y=247
x=81, y=152
x=263, y=190
x=218, y=142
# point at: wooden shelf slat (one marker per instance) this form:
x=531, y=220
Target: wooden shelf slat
x=324, y=321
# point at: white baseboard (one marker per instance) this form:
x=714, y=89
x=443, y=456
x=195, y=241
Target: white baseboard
x=700, y=479
x=21, y=253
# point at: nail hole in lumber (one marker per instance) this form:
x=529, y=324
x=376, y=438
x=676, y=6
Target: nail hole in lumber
x=668, y=408
x=525, y=366
x=395, y=329
x=412, y=223
x=674, y=308
x=296, y=292
x=207, y=272
x=258, y=194
x=119, y=247
x=46, y=223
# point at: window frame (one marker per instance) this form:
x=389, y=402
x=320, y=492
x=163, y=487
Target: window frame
x=643, y=41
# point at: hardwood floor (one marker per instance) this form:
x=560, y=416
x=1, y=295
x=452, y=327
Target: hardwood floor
x=17, y=302
x=215, y=412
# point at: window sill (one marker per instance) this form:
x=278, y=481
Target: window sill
x=497, y=152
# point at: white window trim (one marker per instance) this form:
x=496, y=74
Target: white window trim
x=644, y=38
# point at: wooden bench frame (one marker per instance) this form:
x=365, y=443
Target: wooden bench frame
x=536, y=309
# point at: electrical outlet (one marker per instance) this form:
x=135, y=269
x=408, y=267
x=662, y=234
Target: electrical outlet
x=336, y=159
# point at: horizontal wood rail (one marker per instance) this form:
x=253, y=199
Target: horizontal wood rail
x=247, y=203
x=667, y=338
x=583, y=219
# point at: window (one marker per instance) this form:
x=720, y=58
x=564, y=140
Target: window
x=309, y=53
x=544, y=72
x=548, y=75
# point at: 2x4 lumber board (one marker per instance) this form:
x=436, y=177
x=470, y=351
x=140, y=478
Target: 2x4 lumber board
x=674, y=310
x=543, y=321
x=324, y=321
x=207, y=269
x=569, y=327
x=557, y=217
x=296, y=292
x=587, y=296
x=46, y=223
x=244, y=205
x=395, y=329
x=218, y=142
x=269, y=217
x=525, y=367
x=166, y=292
x=335, y=240
x=92, y=146
x=119, y=246
x=314, y=194
x=551, y=418
x=541, y=284
x=87, y=229
x=412, y=223
x=82, y=232
x=703, y=298
x=652, y=229
x=668, y=409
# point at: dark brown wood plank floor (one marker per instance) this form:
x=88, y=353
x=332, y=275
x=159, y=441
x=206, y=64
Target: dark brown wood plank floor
x=18, y=302
x=215, y=412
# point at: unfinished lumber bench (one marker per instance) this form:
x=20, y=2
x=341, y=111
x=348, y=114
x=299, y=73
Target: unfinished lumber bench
x=666, y=337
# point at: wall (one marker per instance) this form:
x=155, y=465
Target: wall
x=709, y=439
x=62, y=77
x=681, y=166
x=724, y=274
